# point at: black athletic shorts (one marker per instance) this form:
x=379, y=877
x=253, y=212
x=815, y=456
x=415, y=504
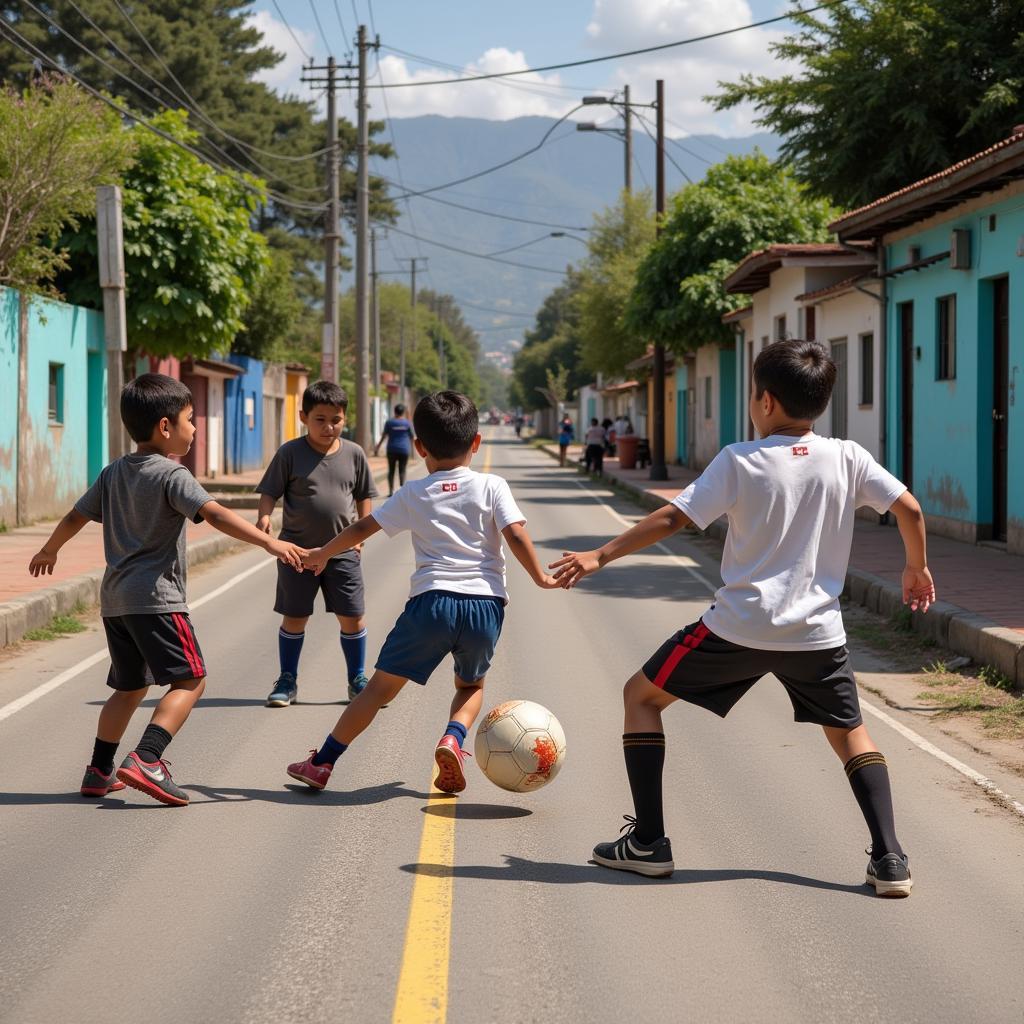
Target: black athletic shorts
x=148, y=649
x=341, y=583
x=697, y=666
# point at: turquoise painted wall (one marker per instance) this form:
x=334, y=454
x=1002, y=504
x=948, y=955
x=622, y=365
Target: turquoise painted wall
x=8, y=405
x=952, y=419
x=726, y=396
x=681, y=412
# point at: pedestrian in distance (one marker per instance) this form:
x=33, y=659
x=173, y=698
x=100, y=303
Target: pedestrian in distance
x=566, y=435
x=326, y=484
x=143, y=501
x=790, y=499
x=457, y=519
x=609, y=435
x=594, y=439
x=519, y=421
x=398, y=434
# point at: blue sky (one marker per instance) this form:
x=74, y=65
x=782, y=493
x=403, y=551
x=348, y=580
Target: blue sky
x=490, y=36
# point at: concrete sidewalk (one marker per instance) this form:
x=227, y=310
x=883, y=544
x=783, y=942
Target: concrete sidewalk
x=28, y=602
x=981, y=613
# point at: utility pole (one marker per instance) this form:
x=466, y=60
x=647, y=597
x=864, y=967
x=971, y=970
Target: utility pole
x=627, y=130
x=110, y=242
x=659, y=471
x=375, y=309
x=401, y=366
x=412, y=261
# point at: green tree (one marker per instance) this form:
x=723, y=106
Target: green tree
x=889, y=91
x=618, y=240
x=494, y=386
x=742, y=204
x=58, y=145
x=272, y=315
x=192, y=262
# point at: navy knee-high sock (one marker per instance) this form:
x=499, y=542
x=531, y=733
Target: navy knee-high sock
x=353, y=646
x=289, y=647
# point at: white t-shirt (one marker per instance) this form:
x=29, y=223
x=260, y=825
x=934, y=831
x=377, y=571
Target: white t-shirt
x=595, y=435
x=790, y=504
x=455, y=517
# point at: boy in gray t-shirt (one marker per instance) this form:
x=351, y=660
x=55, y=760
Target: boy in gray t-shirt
x=143, y=501
x=326, y=485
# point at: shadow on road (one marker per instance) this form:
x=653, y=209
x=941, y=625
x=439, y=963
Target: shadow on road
x=518, y=869
x=477, y=812
x=295, y=794
x=235, y=702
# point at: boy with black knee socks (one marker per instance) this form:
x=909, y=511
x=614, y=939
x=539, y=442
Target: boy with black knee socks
x=790, y=499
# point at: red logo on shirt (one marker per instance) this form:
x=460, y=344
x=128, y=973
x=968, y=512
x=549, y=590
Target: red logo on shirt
x=446, y=488
x=801, y=449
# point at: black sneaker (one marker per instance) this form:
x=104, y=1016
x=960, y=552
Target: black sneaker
x=654, y=860
x=285, y=691
x=890, y=875
x=153, y=779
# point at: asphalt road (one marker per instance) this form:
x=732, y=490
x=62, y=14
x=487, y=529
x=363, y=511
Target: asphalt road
x=264, y=902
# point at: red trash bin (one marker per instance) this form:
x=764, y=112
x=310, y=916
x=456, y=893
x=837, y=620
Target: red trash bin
x=626, y=447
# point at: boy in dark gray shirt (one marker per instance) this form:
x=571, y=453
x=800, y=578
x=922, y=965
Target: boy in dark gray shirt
x=143, y=501
x=326, y=485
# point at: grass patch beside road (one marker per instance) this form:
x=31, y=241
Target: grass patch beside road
x=60, y=625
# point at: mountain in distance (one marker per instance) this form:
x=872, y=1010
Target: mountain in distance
x=560, y=186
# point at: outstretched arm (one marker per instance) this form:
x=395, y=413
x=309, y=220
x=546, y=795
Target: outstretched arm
x=918, y=586
x=519, y=543
x=662, y=523
x=264, y=511
x=46, y=557
x=360, y=531
x=232, y=524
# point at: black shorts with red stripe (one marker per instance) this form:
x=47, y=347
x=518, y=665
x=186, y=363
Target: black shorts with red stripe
x=152, y=649
x=701, y=668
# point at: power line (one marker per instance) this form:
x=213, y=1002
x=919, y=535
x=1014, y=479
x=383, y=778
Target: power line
x=341, y=24
x=319, y=27
x=478, y=255
x=668, y=155
x=494, y=309
x=625, y=53
x=284, y=21
x=522, y=245
x=32, y=50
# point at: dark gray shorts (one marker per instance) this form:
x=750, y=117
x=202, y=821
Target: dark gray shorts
x=701, y=668
x=341, y=583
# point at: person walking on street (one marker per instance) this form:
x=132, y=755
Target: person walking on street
x=566, y=435
x=399, y=433
x=594, y=438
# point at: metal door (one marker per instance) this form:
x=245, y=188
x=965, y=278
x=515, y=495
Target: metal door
x=1000, y=403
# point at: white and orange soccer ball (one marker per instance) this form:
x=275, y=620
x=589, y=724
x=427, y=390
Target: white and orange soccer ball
x=520, y=746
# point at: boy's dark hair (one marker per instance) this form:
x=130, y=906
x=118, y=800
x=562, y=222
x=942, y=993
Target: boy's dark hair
x=799, y=374
x=446, y=422
x=147, y=399
x=399, y=409
x=324, y=392
x=593, y=421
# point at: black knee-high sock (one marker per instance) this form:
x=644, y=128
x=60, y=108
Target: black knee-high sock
x=153, y=743
x=103, y=755
x=645, y=757
x=869, y=780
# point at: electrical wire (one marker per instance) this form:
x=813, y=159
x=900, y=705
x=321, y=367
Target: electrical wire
x=625, y=53
x=284, y=21
x=341, y=24
x=320, y=28
x=23, y=44
x=522, y=245
x=674, y=142
x=668, y=155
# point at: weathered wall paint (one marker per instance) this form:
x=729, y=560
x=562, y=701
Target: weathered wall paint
x=243, y=417
x=8, y=406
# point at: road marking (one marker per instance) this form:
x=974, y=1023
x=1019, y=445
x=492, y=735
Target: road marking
x=982, y=781
x=422, y=995
x=929, y=748
x=94, y=659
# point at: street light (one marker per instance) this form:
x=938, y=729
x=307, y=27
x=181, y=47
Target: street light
x=565, y=234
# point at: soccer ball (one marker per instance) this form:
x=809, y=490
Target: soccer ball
x=520, y=746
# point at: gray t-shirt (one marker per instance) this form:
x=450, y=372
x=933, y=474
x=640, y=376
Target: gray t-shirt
x=320, y=491
x=143, y=502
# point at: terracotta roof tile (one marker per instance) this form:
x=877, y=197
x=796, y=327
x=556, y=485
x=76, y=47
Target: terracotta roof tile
x=835, y=289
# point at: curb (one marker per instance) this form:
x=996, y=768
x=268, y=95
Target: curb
x=36, y=610
x=948, y=625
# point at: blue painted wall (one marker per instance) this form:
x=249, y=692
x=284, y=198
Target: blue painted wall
x=243, y=438
x=952, y=419
x=8, y=405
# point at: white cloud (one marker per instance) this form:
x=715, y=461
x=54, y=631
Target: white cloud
x=286, y=76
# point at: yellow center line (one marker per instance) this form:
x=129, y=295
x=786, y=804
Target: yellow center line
x=422, y=995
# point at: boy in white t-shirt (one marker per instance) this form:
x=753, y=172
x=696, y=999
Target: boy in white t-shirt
x=790, y=499
x=457, y=599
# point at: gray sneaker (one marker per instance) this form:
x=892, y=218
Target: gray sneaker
x=285, y=691
x=653, y=860
x=152, y=779
x=890, y=876
x=357, y=685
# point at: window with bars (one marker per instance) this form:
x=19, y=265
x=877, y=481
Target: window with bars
x=56, y=393
x=839, y=391
x=707, y=398
x=867, y=369
x=780, y=328
x=946, y=341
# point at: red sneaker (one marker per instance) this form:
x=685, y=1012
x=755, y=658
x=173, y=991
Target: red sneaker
x=95, y=783
x=449, y=757
x=315, y=775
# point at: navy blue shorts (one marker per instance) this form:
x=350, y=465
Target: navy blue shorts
x=438, y=623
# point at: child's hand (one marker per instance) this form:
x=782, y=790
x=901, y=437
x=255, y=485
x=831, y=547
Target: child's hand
x=314, y=559
x=548, y=583
x=42, y=563
x=263, y=524
x=573, y=566
x=918, y=589
x=290, y=554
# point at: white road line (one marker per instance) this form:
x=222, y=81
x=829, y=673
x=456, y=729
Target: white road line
x=94, y=659
x=681, y=560
x=917, y=739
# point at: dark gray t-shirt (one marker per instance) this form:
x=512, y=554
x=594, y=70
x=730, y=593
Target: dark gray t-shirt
x=320, y=491
x=143, y=502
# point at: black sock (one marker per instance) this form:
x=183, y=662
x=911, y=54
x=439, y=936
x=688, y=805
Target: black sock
x=869, y=780
x=103, y=755
x=645, y=757
x=153, y=743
